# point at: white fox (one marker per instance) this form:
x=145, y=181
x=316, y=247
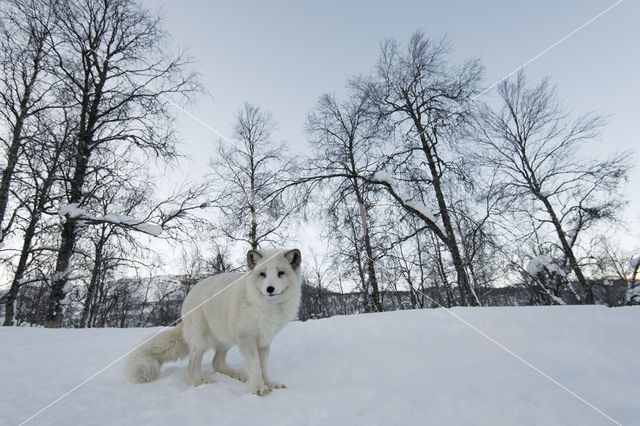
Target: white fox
x=243, y=309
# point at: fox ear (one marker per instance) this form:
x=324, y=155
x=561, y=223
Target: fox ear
x=253, y=256
x=294, y=258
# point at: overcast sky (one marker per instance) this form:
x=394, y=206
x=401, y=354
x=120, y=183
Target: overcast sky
x=282, y=55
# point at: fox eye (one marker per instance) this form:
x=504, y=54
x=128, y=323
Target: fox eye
x=263, y=275
x=280, y=274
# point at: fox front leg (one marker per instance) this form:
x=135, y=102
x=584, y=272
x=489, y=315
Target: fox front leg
x=263, y=353
x=249, y=351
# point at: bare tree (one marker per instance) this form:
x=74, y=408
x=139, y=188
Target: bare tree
x=42, y=158
x=345, y=137
x=632, y=294
x=112, y=246
x=429, y=103
x=249, y=174
x=25, y=83
x=111, y=56
x=533, y=148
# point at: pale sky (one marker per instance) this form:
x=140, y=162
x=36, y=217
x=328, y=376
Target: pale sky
x=282, y=55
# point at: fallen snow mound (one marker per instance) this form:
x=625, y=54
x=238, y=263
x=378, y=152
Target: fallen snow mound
x=410, y=367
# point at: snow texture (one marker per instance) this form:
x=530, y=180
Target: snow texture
x=407, y=367
x=634, y=262
x=73, y=211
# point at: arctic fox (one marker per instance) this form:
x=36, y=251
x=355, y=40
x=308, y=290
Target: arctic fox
x=243, y=309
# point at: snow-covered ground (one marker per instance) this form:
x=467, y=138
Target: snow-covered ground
x=411, y=367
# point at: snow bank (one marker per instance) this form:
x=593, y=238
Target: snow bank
x=409, y=368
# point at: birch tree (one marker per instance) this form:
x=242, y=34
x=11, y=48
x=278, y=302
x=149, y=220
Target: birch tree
x=344, y=136
x=249, y=173
x=25, y=83
x=429, y=102
x=118, y=78
x=533, y=147
x=35, y=192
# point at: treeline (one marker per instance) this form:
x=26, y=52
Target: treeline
x=419, y=187
x=157, y=301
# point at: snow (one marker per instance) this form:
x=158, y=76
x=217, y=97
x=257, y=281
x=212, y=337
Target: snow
x=425, y=211
x=634, y=262
x=383, y=177
x=407, y=367
x=66, y=276
x=538, y=263
x=73, y=211
x=633, y=293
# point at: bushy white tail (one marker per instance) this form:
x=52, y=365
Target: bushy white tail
x=143, y=364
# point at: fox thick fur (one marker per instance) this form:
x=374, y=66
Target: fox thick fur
x=243, y=309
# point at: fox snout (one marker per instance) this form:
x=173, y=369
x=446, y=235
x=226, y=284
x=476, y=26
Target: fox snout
x=273, y=289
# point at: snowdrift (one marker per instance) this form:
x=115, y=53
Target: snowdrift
x=409, y=367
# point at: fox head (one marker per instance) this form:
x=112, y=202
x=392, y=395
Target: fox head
x=274, y=272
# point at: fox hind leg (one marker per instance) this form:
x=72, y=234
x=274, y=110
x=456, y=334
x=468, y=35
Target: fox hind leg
x=194, y=369
x=220, y=365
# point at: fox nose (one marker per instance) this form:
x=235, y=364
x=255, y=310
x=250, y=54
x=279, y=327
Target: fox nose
x=270, y=289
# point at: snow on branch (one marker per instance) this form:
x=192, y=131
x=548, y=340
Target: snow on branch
x=75, y=212
x=418, y=207
x=384, y=177
x=540, y=263
x=633, y=286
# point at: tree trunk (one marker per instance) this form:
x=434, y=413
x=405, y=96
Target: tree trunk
x=374, y=297
x=468, y=296
x=41, y=199
x=361, y=271
x=93, y=283
x=7, y=173
x=443, y=275
x=68, y=239
x=19, y=273
x=568, y=251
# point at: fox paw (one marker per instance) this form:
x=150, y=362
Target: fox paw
x=276, y=385
x=261, y=390
x=238, y=375
x=202, y=381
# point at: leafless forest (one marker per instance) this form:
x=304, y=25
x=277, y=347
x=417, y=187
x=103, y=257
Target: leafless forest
x=425, y=194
